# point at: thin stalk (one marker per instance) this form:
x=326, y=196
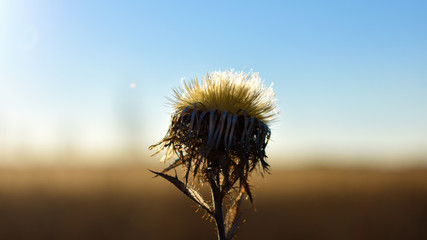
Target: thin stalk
x=218, y=215
x=219, y=219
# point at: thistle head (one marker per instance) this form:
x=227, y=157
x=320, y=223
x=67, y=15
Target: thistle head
x=233, y=92
x=220, y=125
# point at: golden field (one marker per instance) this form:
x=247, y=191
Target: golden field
x=126, y=202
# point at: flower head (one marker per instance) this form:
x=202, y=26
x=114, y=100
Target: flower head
x=220, y=126
x=228, y=91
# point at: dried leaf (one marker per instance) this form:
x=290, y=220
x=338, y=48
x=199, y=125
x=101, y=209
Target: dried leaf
x=233, y=217
x=188, y=191
x=175, y=164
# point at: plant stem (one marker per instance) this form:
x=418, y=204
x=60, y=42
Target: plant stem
x=218, y=216
x=219, y=219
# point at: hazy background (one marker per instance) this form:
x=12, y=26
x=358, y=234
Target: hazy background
x=83, y=87
x=350, y=76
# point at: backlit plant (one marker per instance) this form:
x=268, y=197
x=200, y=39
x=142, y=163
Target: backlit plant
x=218, y=133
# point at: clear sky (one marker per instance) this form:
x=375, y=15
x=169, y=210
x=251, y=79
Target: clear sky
x=350, y=76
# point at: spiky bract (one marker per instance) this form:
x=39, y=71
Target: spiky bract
x=219, y=128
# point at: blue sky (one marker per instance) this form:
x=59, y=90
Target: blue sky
x=350, y=76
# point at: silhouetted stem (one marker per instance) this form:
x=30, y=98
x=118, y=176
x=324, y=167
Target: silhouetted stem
x=219, y=219
x=218, y=216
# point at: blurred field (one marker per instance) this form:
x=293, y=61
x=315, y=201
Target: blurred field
x=127, y=203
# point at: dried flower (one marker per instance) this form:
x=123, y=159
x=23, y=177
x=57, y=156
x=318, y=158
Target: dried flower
x=219, y=131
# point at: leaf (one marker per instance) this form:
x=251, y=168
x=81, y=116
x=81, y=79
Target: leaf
x=188, y=191
x=196, y=166
x=187, y=172
x=247, y=189
x=233, y=217
x=175, y=164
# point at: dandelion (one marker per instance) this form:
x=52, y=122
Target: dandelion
x=219, y=131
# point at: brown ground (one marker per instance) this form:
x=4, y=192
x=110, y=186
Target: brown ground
x=127, y=203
